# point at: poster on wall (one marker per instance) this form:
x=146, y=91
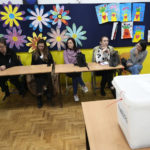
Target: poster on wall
x=138, y=12
x=148, y=36
x=125, y=12
x=113, y=12
x=114, y=31
x=126, y=30
x=138, y=33
x=102, y=13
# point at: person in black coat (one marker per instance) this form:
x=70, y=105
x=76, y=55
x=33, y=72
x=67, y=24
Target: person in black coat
x=8, y=58
x=43, y=80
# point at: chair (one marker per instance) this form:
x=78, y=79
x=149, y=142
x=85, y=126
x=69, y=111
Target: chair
x=67, y=84
x=125, y=55
x=93, y=82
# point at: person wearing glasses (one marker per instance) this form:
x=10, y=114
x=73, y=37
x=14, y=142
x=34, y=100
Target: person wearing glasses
x=137, y=57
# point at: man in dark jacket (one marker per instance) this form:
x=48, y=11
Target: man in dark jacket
x=8, y=59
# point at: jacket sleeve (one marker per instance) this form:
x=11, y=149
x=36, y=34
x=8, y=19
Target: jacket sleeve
x=66, y=61
x=33, y=62
x=132, y=58
x=13, y=61
x=143, y=58
x=50, y=59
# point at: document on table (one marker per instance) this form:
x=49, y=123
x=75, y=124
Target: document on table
x=104, y=63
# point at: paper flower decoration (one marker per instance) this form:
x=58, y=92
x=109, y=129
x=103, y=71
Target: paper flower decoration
x=11, y=16
x=59, y=15
x=14, y=38
x=39, y=18
x=77, y=34
x=57, y=38
x=33, y=41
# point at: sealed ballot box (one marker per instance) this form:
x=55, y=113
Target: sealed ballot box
x=133, y=108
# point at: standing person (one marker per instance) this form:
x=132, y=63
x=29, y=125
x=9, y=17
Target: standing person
x=44, y=80
x=8, y=58
x=101, y=54
x=137, y=57
x=70, y=58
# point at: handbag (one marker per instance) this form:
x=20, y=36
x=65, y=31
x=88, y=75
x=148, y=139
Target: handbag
x=114, y=59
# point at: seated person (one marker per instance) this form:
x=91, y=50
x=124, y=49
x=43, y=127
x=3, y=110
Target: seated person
x=43, y=80
x=9, y=59
x=101, y=54
x=70, y=58
x=137, y=57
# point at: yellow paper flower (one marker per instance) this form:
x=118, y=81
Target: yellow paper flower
x=33, y=41
x=11, y=16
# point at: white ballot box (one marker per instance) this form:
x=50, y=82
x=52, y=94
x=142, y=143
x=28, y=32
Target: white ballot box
x=133, y=108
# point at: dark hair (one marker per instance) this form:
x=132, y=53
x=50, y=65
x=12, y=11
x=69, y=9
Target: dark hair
x=45, y=51
x=143, y=44
x=3, y=41
x=74, y=44
x=102, y=38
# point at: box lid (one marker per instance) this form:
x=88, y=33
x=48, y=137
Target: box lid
x=135, y=89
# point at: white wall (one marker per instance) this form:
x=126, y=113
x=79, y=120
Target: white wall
x=74, y=1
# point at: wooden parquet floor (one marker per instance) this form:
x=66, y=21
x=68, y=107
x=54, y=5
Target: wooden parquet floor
x=25, y=127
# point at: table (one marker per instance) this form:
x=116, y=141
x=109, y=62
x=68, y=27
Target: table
x=68, y=68
x=22, y=70
x=103, y=131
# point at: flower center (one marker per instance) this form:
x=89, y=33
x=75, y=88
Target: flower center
x=58, y=38
x=15, y=38
x=11, y=16
x=39, y=18
x=59, y=16
x=74, y=36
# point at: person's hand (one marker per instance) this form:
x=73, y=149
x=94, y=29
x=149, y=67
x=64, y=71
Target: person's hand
x=129, y=64
x=3, y=67
x=105, y=50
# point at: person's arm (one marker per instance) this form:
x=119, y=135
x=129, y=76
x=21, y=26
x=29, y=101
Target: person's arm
x=50, y=59
x=65, y=57
x=13, y=61
x=143, y=58
x=132, y=58
x=33, y=62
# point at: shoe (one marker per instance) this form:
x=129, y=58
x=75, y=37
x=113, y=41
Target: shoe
x=76, y=98
x=85, y=89
x=5, y=96
x=103, y=92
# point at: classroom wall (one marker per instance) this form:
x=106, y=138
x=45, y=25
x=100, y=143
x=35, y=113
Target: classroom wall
x=73, y=1
x=58, y=58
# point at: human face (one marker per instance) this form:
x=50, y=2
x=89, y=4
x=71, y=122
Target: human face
x=138, y=47
x=41, y=46
x=70, y=44
x=2, y=48
x=104, y=42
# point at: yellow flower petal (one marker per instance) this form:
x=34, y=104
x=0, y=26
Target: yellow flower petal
x=44, y=38
x=7, y=10
x=4, y=18
x=16, y=22
x=30, y=39
x=18, y=14
x=10, y=8
x=15, y=10
x=40, y=35
x=11, y=22
x=19, y=18
x=31, y=50
x=3, y=13
x=34, y=34
x=7, y=21
x=48, y=44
